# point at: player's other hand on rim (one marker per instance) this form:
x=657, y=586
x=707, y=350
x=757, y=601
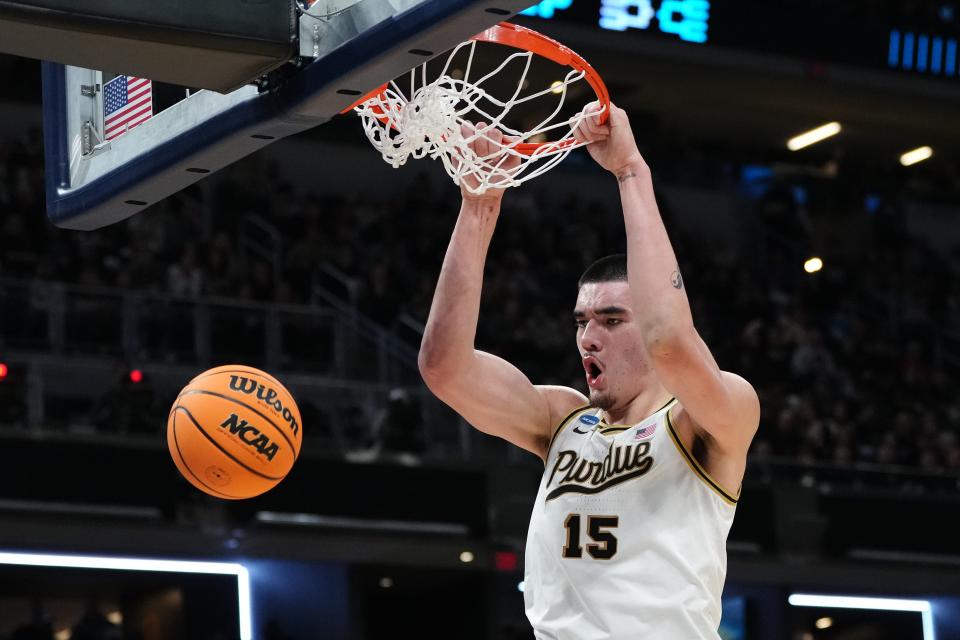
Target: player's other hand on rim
x=611, y=144
x=490, y=147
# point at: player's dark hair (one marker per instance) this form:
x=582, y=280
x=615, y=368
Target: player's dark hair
x=609, y=269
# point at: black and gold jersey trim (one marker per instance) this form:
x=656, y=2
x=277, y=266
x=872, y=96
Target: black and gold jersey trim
x=610, y=430
x=563, y=423
x=695, y=466
x=607, y=429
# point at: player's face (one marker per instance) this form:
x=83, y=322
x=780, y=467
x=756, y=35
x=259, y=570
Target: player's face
x=611, y=347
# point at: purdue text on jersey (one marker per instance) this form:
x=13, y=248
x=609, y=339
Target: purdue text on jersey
x=622, y=463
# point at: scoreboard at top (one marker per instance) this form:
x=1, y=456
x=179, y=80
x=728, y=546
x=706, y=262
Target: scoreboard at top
x=686, y=19
x=820, y=31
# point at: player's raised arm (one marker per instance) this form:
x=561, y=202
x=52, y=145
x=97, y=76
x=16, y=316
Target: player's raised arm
x=489, y=392
x=721, y=403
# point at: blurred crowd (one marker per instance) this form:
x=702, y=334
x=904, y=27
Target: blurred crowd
x=91, y=619
x=855, y=364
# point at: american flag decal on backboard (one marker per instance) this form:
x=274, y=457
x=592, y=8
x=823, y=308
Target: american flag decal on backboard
x=127, y=101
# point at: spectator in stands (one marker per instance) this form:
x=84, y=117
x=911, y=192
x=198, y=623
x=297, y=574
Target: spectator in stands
x=834, y=354
x=94, y=625
x=221, y=267
x=400, y=428
x=185, y=277
x=397, y=432
x=40, y=627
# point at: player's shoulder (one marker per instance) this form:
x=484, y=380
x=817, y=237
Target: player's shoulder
x=564, y=403
x=746, y=398
x=740, y=433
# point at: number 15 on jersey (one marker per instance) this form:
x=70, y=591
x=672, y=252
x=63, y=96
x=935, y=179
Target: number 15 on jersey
x=604, y=544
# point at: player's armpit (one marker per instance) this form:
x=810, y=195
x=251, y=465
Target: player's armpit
x=498, y=399
x=721, y=403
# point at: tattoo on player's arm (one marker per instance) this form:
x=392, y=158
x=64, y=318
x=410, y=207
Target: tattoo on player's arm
x=676, y=279
x=626, y=176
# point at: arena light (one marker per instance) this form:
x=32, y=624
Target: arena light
x=145, y=564
x=136, y=376
x=916, y=155
x=812, y=265
x=466, y=557
x=556, y=87
x=4, y=370
x=823, y=623
x=813, y=136
x=876, y=604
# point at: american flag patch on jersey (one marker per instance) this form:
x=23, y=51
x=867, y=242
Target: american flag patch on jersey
x=645, y=432
x=127, y=102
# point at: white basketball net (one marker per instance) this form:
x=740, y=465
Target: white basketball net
x=428, y=122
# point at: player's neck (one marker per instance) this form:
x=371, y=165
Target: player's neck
x=647, y=402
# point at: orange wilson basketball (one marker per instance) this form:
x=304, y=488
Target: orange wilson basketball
x=234, y=432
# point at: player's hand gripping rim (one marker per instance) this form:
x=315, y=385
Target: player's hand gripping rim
x=494, y=150
x=611, y=144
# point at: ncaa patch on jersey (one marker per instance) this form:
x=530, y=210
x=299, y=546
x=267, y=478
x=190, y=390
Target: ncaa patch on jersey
x=589, y=420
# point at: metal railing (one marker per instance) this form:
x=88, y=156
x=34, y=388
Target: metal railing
x=262, y=239
x=71, y=347
x=73, y=397
x=145, y=327
x=80, y=397
x=831, y=477
x=396, y=358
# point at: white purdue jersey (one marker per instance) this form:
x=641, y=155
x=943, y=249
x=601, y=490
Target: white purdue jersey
x=628, y=535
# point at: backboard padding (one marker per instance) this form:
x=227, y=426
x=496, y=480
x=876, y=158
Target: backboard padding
x=208, y=131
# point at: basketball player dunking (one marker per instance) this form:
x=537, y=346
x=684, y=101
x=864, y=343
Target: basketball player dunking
x=627, y=536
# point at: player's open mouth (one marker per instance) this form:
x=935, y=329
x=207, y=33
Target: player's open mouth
x=594, y=371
